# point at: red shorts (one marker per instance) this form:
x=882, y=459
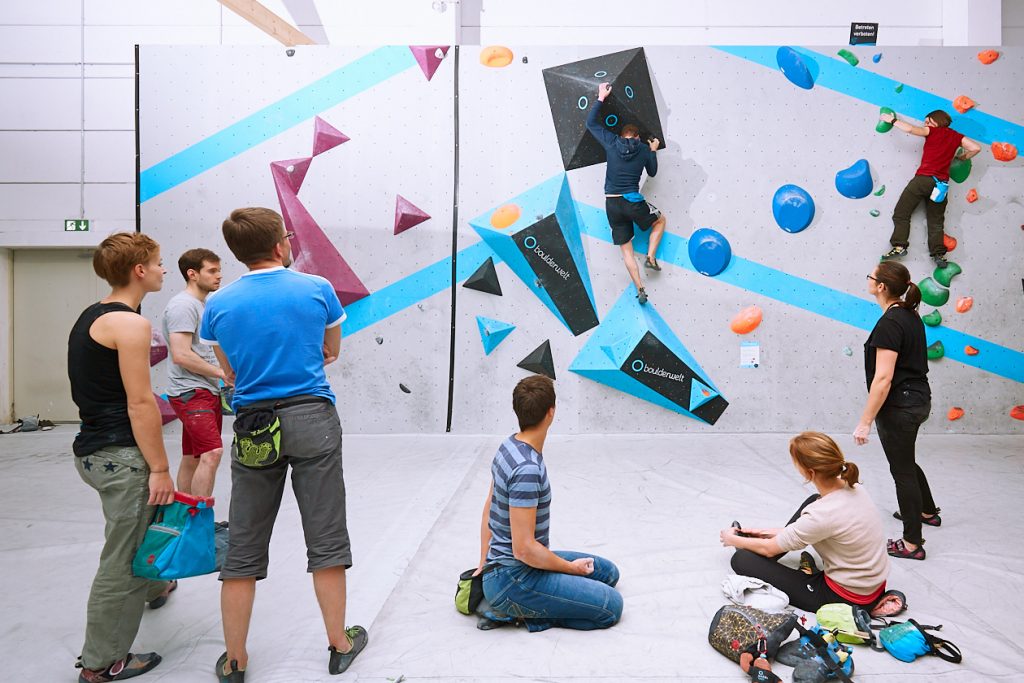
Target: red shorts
x=201, y=422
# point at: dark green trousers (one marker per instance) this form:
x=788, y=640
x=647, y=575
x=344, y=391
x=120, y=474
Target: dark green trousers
x=916, y=191
x=121, y=477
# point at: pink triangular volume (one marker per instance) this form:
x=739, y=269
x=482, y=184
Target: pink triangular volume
x=429, y=57
x=326, y=136
x=313, y=252
x=407, y=215
x=290, y=172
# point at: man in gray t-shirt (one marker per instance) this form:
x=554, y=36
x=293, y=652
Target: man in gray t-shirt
x=194, y=374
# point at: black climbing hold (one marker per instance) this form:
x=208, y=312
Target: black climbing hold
x=540, y=361
x=485, y=279
x=405, y=388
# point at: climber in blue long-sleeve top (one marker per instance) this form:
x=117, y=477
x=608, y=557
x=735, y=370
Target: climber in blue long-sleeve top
x=628, y=158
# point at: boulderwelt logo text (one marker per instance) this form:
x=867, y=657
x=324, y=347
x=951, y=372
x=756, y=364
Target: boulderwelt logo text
x=640, y=366
x=531, y=243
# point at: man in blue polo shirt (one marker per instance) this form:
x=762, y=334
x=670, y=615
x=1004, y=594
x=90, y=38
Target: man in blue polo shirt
x=628, y=157
x=274, y=330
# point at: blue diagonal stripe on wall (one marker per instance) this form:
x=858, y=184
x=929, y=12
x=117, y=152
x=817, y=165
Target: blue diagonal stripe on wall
x=301, y=105
x=868, y=86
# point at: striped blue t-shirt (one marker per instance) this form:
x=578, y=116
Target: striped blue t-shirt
x=520, y=480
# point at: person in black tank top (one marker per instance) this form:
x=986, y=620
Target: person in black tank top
x=899, y=399
x=120, y=450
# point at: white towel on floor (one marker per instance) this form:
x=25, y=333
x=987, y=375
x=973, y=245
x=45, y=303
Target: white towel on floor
x=746, y=590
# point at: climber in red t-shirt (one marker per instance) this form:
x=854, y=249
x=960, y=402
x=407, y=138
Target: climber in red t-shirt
x=941, y=144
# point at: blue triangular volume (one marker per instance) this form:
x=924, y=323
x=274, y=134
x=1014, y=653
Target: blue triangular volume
x=700, y=394
x=540, y=209
x=615, y=346
x=492, y=332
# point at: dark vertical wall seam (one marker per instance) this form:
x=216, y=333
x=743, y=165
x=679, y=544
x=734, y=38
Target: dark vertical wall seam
x=138, y=158
x=455, y=248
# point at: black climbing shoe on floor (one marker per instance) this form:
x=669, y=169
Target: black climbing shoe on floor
x=129, y=667
x=652, y=264
x=934, y=520
x=940, y=261
x=161, y=600
x=340, y=661
x=895, y=252
x=807, y=565
x=641, y=296
x=900, y=550
x=236, y=676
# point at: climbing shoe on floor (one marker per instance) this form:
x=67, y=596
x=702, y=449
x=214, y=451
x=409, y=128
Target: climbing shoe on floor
x=234, y=675
x=340, y=661
x=934, y=520
x=900, y=550
x=129, y=667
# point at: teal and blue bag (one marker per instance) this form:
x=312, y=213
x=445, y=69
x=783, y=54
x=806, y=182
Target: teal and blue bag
x=908, y=640
x=179, y=541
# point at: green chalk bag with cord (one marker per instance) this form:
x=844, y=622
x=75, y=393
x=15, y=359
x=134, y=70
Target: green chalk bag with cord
x=257, y=441
x=469, y=591
x=851, y=624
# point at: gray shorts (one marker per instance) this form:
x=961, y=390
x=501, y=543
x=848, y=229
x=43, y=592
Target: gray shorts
x=311, y=447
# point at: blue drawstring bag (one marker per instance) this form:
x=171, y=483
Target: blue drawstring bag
x=906, y=641
x=179, y=541
x=939, y=191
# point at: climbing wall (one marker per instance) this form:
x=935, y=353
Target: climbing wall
x=781, y=171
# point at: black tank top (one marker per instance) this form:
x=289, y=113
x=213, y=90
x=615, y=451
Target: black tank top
x=96, y=386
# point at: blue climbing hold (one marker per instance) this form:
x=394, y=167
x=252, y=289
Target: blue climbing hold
x=796, y=67
x=855, y=182
x=492, y=332
x=793, y=208
x=876, y=58
x=710, y=252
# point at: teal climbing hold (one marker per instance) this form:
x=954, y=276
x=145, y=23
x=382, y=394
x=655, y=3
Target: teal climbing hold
x=932, y=293
x=709, y=251
x=492, y=332
x=899, y=88
x=798, y=69
x=849, y=57
x=945, y=275
x=875, y=213
x=793, y=208
x=932, y=319
x=936, y=351
x=884, y=126
x=959, y=169
x=855, y=182
x=880, y=191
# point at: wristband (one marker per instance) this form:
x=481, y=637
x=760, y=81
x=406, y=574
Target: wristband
x=160, y=471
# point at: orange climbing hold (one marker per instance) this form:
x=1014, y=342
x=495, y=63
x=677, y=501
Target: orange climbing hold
x=1017, y=412
x=505, y=216
x=971, y=351
x=747, y=320
x=955, y=413
x=496, y=56
x=949, y=242
x=1004, y=151
x=963, y=103
x=964, y=303
x=988, y=56
x=972, y=196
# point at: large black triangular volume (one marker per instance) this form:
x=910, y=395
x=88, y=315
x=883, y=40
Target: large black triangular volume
x=540, y=361
x=485, y=279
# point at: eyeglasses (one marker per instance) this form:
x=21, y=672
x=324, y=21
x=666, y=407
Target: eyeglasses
x=289, y=235
x=872, y=277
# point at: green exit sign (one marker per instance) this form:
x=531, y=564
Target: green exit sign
x=76, y=225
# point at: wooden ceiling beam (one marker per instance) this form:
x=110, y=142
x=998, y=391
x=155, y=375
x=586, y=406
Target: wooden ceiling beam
x=262, y=18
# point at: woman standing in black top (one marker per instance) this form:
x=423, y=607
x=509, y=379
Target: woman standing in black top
x=899, y=399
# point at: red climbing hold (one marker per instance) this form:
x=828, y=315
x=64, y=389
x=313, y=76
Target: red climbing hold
x=407, y=214
x=964, y=303
x=954, y=413
x=963, y=103
x=971, y=351
x=972, y=196
x=746, y=320
x=988, y=56
x=1004, y=151
x=1017, y=412
x=949, y=242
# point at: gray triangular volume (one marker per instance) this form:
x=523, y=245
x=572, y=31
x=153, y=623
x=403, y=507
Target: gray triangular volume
x=540, y=360
x=485, y=279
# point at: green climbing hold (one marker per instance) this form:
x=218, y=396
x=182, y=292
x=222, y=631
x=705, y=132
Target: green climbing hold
x=875, y=213
x=945, y=275
x=880, y=191
x=936, y=351
x=932, y=319
x=960, y=169
x=849, y=57
x=884, y=126
x=932, y=293
x=899, y=88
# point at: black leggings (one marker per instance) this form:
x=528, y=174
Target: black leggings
x=897, y=431
x=807, y=592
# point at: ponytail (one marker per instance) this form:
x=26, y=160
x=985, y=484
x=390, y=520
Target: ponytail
x=896, y=279
x=850, y=473
x=911, y=298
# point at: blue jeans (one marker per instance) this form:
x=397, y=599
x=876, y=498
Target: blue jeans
x=544, y=599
